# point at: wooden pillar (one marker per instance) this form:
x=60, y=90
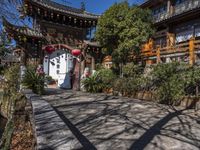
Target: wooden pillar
x=93, y=63
x=170, y=39
x=191, y=51
x=83, y=62
x=23, y=58
x=158, y=55
x=41, y=53
x=151, y=43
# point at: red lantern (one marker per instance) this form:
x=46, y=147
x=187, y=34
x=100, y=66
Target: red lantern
x=76, y=52
x=49, y=49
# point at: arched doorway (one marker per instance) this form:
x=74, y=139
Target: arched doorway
x=59, y=64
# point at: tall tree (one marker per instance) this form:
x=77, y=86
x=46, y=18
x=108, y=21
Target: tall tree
x=8, y=8
x=122, y=29
x=12, y=10
x=4, y=44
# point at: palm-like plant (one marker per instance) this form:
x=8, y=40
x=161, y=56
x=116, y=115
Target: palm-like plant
x=93, y=84
x=34, y=81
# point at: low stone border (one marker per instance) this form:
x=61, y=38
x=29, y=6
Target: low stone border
x=51, y=132
x=186, y=102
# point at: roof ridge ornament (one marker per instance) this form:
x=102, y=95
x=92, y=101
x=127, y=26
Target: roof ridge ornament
x=83, y=8
x=66, y=10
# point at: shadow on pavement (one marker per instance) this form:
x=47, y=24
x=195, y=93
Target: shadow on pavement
x=108, y=122
x=87, y=145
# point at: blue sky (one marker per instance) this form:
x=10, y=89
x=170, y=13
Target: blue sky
x=95, y=6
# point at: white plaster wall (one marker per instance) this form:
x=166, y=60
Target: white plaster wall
x=59, y=63
x=46, y=64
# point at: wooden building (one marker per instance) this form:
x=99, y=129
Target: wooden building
x=177, y=24
x=57, y=30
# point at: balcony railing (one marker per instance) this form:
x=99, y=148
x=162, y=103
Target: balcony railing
x=181, y=48
x=178, y=9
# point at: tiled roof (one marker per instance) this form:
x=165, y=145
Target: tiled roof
x=64, y=9
x=21, y=30
x=145, y=2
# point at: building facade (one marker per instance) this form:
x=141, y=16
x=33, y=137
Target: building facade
x=177, y=24
x=57, y=31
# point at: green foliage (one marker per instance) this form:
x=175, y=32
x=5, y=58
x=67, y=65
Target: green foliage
x=192, y=80
x=132, y=70
x=4, y=44
x=107, y=77
x=34, y=81
x=10, y=98
x=99, y=81
x=122, y=29
x=10, y=90
x=127, y=86
x=162, y=72
x=168, y=83
x=2, y=70
x=92, y=84
x=99, y=67
x=132, y=80
x=7, y=135
x=12, y=76
x=49, y=80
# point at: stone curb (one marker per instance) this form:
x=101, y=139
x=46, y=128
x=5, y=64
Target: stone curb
x=51, y=132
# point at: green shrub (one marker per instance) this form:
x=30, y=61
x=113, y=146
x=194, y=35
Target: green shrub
x=192, y=81
x=99, y=81
x=10, y=90
x=12, y=76
x=107, y=77
x=93, y=83
x=12, y=101
x=49, y=80
x=34, y=81
x=128, y=86
x=132, y=80
x=2, y=70
x=132, y=70
x=99, y=66
x=171, y=91
x=167, y=82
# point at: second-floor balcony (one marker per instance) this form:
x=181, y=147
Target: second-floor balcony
x=177, y=9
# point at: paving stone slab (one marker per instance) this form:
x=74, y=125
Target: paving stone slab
x=117, y=123
x=51, y=132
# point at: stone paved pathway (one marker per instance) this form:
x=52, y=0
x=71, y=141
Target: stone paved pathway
x=103, y=122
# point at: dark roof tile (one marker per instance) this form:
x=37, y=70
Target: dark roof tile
x=64, y=9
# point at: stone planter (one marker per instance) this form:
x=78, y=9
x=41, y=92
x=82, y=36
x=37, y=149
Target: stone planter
x=147, y=96
x=108, y=91
x=140, y=95
x=189, y=102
